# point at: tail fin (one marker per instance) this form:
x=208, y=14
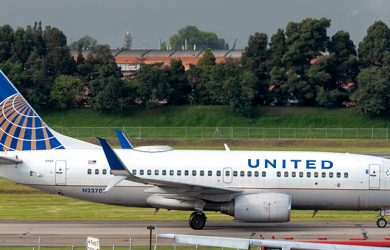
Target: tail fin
x=21, y=128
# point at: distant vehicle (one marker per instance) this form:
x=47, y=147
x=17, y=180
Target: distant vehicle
x=242, y=243
x=251, y=186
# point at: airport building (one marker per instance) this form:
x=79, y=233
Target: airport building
x=130, y=60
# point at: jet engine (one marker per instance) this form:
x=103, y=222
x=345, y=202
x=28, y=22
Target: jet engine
x=263, y=207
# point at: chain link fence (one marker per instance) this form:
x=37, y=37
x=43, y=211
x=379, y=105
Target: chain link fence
x=227, y=133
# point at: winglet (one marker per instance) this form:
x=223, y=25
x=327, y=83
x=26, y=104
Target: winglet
x=125, y=144
x=115, y=163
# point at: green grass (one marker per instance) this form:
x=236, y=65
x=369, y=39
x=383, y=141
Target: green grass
x=212, y=116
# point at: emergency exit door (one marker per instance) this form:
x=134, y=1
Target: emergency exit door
x=60, y=174
x=227, y=175
x=374, y=180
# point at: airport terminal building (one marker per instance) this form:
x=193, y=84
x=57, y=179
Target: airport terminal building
x=130, y=60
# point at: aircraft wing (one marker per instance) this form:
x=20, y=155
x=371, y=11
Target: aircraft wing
x=242, y=243
x=181, y=189
x=6, y=160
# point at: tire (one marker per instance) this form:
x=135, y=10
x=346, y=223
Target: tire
x=381, y=223
x=197, y=221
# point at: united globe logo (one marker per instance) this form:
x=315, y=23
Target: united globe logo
x=22, y=129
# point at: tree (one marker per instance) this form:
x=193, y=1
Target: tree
x=84, y=43
x=58, y=60
x=343, y=49
x=179, y=86
x=306, y=41
x=373, y=95
x=207, y=59
x=153, y=86
x=278, y=77
x=37, y=86
x=65, y=92
x=375, y=47
x=193, y=37
x=6, y=41
x=240, y=92
x=256, y=59
x=200, y=75
x=108, y=90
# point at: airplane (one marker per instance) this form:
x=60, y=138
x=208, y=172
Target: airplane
x=251, y=186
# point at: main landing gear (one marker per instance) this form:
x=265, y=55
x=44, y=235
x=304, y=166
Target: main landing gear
x=381, y=222
x=197, y=220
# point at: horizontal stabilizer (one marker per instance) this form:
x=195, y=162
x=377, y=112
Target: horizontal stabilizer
x=5, y=160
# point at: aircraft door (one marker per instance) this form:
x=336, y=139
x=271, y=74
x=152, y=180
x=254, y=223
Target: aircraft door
x=60, y=173
x=227, y=175
x=374, y=176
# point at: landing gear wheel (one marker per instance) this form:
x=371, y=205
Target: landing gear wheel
x=197, y=220
x=381, y=222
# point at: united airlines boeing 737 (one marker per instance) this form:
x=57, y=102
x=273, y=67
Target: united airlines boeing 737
x=251, y=186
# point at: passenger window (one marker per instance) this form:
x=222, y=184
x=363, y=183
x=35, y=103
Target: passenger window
x=308, y=174
x=96, y=171
x=164, y=172
x=156, y=172
x=315, y=174
x=218, y=173
x=338, y=175
x=171, y=172
x=227, y=173
x=210, y=173
x=263, y=174
x=193, y=172
x=294, y=174
x=89, y=171
x=134, y=171
x=235, y=173
x=178, y=172
x=186, y=172
x=286, y=174
x=301, y=174
x=201, y=173
x=331, y=175
x=104, y=171
x=149, y=172
x=323, y=175
x=141, y=172
x=256, y=173
x=249, y=173
x=242, y=173
x=278, y=174
x=345, y=175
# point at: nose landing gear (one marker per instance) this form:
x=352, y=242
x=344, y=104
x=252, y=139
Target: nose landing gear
x=197, y=220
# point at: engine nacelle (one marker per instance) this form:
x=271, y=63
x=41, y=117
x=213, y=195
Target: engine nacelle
x=263, y=207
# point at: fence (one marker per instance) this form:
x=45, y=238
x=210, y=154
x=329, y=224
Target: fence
x=228, y=133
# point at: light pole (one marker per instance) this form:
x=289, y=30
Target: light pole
x=151, y=228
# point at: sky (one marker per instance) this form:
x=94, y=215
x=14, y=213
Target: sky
x=151, y=20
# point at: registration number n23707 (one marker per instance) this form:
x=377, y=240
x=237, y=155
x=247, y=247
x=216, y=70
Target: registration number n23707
x=92, y=190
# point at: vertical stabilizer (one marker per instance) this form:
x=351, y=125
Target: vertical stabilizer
x=21, y=128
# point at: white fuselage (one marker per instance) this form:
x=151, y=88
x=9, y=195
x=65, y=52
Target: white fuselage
x=314, y=180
